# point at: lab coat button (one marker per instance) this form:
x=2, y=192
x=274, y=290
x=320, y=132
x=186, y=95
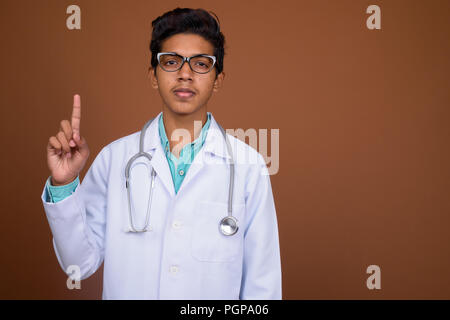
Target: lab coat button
x=181, y=172
x=176, y=224
x=173, y=269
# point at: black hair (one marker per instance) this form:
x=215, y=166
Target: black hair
x=188, y=21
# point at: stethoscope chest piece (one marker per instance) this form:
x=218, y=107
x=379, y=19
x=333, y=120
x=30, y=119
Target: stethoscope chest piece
x=228, y=226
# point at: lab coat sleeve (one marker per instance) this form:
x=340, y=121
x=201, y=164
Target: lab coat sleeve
x=77, y=223
x=261, y=274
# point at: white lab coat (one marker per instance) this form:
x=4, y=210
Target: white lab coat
x=184, y=256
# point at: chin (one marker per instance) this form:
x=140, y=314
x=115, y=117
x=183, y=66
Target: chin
x=183, y=108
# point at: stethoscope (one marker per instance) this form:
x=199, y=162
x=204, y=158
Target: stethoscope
x=228, y=226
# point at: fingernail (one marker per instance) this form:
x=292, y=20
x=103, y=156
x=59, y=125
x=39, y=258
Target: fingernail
x=68, y=155
x=72, y=143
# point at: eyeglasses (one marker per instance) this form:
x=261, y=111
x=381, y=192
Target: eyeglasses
x=171, y=61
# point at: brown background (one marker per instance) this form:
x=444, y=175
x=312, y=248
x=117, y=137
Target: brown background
x=363, y=118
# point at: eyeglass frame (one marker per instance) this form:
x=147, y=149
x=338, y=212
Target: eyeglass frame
x=188, y=59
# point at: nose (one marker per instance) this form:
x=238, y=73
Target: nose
x=185, y=71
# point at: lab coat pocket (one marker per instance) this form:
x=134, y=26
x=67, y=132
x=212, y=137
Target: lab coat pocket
x=208, y=243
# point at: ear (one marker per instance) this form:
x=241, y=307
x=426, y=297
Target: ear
x=219, y=81
x=153, y=79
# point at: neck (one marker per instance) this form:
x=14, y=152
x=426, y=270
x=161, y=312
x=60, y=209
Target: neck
x=182, y=129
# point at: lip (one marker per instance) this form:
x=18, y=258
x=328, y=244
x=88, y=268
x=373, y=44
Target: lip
x=184, y=93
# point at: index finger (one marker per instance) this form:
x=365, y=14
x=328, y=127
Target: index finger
x=76, y=114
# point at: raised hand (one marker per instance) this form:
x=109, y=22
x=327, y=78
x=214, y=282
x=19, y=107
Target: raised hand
x=67, y=152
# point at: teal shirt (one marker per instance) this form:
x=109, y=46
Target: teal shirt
x=178, y=166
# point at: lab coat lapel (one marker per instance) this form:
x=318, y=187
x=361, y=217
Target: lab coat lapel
x=159, y=162
x=194, y=168
x=214, y=144
x=152, y=144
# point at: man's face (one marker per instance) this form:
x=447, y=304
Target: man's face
x=203, y=85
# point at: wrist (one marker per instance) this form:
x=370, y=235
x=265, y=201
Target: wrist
x=61, y=183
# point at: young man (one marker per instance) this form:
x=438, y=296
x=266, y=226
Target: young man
x=171, y=217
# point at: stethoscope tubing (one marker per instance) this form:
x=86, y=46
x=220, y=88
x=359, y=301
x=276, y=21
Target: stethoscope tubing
x=141, y=153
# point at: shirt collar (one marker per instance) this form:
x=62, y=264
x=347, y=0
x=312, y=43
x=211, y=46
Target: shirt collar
x=196, y=144
x=214, y=141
